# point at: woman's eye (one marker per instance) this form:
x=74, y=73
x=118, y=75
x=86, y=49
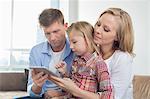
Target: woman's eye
x=98, y=25
x=106, y=30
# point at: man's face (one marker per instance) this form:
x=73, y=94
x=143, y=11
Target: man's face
x=55, y=34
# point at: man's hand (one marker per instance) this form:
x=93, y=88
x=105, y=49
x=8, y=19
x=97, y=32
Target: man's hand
x=38, y=81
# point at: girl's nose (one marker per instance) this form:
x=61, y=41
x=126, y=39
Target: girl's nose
x=71, y=46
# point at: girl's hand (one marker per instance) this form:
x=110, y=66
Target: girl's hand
x=62, y=67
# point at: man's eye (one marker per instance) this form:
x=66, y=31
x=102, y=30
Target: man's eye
x=47, y=33
x=56, y=31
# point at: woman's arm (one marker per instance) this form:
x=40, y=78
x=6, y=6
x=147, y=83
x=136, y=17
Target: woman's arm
x=68, y=85
x=104, y=82
x=121, y=75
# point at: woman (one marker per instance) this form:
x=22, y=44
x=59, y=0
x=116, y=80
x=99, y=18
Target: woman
x=113, y=32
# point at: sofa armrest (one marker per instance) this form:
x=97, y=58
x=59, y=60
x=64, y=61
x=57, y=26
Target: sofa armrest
x=141, y=87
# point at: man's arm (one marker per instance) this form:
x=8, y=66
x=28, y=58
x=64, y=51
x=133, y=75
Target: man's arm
x=33, y=84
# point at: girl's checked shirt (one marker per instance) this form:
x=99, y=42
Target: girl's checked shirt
x=90, y=73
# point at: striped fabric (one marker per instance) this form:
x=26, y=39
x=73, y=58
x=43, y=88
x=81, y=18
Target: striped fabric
x=90, y=73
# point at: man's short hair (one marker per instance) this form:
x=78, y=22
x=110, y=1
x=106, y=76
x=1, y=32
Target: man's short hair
x=49, y=16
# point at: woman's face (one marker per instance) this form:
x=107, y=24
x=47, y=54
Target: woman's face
x=105, y=30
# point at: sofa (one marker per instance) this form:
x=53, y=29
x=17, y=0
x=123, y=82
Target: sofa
x=15, y=84
x=141, y=87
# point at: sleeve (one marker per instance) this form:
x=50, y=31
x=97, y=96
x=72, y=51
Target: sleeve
x=121, y=75
x=33, y=61
x=104, y=83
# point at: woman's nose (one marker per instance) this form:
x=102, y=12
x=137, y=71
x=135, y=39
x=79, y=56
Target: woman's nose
x=98, y=30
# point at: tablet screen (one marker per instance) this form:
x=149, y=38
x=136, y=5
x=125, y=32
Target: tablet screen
x=42, y=69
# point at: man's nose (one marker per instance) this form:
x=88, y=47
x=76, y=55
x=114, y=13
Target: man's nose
x=52, y=37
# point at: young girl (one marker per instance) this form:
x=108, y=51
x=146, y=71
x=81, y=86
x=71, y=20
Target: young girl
x=89, y=71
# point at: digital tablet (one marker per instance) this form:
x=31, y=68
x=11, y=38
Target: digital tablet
x=42, y=69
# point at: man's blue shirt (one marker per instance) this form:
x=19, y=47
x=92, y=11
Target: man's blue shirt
x=40, y=55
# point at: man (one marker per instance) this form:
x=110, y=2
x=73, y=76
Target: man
x=48, y=54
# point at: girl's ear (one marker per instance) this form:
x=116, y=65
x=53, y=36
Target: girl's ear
x=89, y=45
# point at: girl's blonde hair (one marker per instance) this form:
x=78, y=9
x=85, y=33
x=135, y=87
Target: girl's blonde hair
x=86, y=30
x=125, y=37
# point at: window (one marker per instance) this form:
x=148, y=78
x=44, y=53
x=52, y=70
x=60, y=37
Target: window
x=19, y=31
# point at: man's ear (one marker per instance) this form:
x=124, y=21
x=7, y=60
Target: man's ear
x=66, y=26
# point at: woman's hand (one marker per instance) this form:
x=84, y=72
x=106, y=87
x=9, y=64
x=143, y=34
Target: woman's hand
x=67, y=84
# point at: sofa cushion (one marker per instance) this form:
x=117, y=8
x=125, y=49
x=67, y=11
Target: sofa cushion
x=12, y=82
x=141, y=87
x=12, y=94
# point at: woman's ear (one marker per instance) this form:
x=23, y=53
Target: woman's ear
x=116, y=39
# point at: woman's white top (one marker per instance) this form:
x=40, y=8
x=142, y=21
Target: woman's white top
x=120, y=69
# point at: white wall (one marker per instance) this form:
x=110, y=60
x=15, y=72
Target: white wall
x=149, y=36
x=89, y=10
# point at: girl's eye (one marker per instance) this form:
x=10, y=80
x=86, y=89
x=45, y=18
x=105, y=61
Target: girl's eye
x=74, y=42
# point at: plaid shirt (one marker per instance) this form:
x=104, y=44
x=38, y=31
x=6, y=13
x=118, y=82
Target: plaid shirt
x=90, y=73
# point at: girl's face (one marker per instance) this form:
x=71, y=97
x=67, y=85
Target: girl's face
x=105, y=30
x=77, y=43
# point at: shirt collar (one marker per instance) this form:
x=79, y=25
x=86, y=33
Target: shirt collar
x=47, y=48
x=88, y=56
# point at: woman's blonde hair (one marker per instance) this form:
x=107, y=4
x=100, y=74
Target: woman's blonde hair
x=86, y=30
x=125, y=34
